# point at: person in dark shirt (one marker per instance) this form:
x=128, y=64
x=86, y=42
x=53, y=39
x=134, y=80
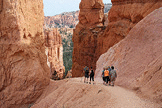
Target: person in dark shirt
x=86, y=70
x=91, y=75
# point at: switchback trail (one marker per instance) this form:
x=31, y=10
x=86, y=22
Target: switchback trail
x=73, y=93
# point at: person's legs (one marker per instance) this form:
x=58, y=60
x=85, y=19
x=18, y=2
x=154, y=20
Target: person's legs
x=90, y=80
x=109, y=82
x=93, y=79
x=106, y=80
x=112, y=82
x=84, y=79
x=87, y=78
x=103, y=80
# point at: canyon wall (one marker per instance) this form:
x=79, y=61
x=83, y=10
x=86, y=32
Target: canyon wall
x=91, y=18
x=91, y=38
x=122, y=17
x=137, y=58
x=54, y=52
x=23, y=64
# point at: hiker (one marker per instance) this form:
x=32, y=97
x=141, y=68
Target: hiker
x=102, y=75
x=113, y=75
x=109, y=69
x=86, y=70
x=91, y=75
x=106, y=75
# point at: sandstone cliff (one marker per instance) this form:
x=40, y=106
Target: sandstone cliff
x=23, y=66
x=91, y=18
x=54, y=51
x=123, y=16
x=91, y=38
x=138, y=57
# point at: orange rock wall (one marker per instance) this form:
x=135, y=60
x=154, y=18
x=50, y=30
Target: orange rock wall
x=123, y=16
x=91, y=39
x=23, y=66
x=54, y=51
x=137, y=58
x=91, y=18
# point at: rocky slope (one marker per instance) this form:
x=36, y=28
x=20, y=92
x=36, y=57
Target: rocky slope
x=138, y=57
x=23, y=64
x=91, y=38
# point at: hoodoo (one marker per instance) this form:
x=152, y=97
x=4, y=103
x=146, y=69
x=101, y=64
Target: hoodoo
x=91, y=19
x=54, y=52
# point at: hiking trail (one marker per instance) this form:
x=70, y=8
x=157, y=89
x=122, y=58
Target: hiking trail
x=73, y=93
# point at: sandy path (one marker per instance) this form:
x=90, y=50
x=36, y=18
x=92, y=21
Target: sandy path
x=72, y=93
x=123, y=98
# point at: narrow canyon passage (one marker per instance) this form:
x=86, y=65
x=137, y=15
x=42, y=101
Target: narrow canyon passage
x=73, y=93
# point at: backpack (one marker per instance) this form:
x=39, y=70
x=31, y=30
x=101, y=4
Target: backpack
x=87, y=72
x=86, y=68
x=106, y=73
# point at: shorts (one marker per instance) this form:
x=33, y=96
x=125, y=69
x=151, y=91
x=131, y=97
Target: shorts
x=103, y=78
x=86, y=76
x=107, y=79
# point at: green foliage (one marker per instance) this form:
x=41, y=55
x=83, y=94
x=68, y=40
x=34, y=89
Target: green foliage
x=67, y=53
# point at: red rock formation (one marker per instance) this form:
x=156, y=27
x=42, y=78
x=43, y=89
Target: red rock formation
x=123, y=16
x=90, y=41
x=138, y=57
x=67, y=19
x=23, y=64
x=54, y=51
x=91, y=18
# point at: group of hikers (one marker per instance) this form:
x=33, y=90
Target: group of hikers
x=108, y=75
x=87, y=74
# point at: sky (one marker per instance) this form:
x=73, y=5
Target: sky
x=54, y=7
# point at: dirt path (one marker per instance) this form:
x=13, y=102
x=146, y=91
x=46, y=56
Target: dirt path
x=72, y=93
x=123, y=98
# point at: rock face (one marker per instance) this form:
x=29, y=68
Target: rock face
x=66, y=19
x=23, y=66
x=91, y=18
x=122, y=17
x=90, y=41
x=54, y=51
x=138, y=57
